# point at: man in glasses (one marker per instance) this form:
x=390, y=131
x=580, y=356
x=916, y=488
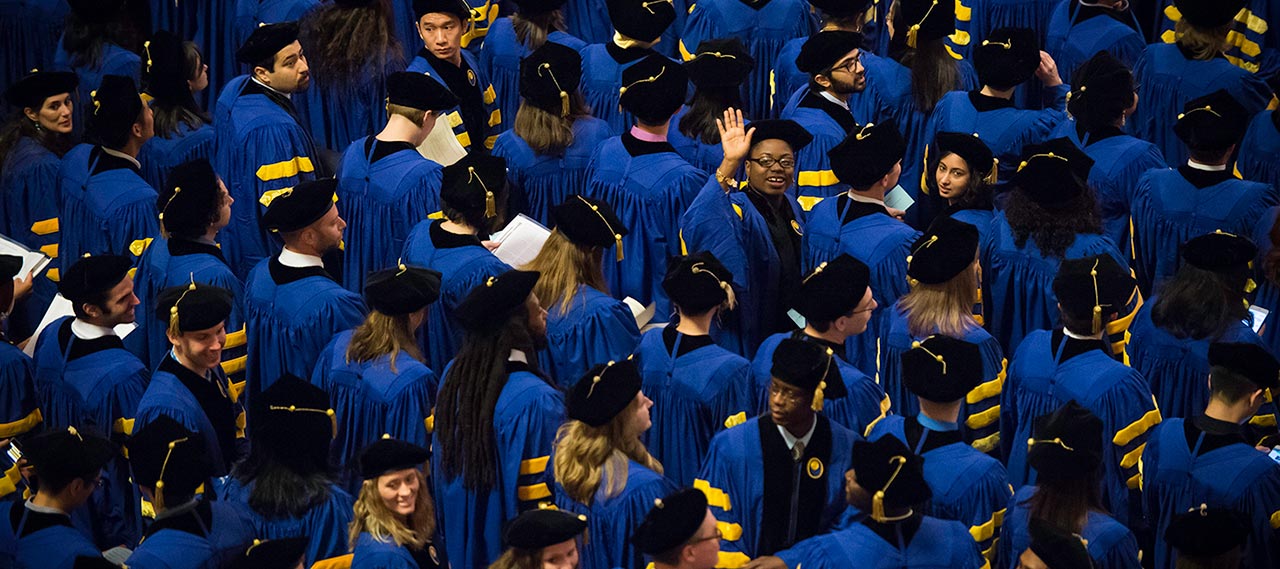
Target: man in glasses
x=680, y=532
x=833, y=61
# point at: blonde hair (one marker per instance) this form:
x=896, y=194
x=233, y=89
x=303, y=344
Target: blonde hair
x=565, y=265
x=373, y=517
x=415, y=116
x=588, y=457
x=548, y=133
x=1202, y=43
x=380, y=335
x=516, y=558
x=945, y=308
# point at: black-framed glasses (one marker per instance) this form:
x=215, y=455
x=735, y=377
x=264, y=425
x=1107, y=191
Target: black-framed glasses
x=848, y=66
x=716, y=535
x=767, y=162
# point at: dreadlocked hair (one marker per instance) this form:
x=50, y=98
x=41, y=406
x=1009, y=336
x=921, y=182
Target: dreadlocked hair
x=590, y=457
x=465, y=407
x=345, y=42
x=1053, y=230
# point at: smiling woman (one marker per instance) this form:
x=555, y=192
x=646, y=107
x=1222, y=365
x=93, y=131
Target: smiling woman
x=394, y=515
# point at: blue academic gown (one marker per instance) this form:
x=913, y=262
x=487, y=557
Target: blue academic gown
x=539, y=182
x=938, y=543
x=382, y=200
x=500, y=59
x=1076, y=33
x=290, y=315
x=865, y=403
x=29, y=33
x=217, y=41
x=1253, y=43
x=177, y=262
x=704, y=156
x=1268, y=293
x=168, y=396
x=611, y=520
x=94, y=385
x=594, y=328
x=29, y=190
x=1119, y=160
x=602, y=66
x=112, y=60
x=1167, y=80
x=464, y=263
x=698, y=388
x=19, y=412
x=1168, y=210
x=324, y=524
x=734, y=478
x=649, y=187
x=1110, y=544
x=988, y=15
x=1017, y=282
x=228, y=532
x=106, y=205
x=763, y=29
x=261, y=146
x=968, y=486
x=453, y=116
x=729, y=226
x=589, y=20
x=338, y=111
x=160, y=155
x=371, y=399
x=829, y=124
x=528, y=412
x=1179, y=475
x=867, y=233
x=980, y=410
x=249, y=14
x=1258, y=157
x=1043, y=377
x=54, y=545
x=1177, y=369
x=373, y=553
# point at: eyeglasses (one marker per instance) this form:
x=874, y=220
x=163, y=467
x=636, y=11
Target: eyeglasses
x=767, y=162
x=848, y=67
x=716, y=535
x=788, y=393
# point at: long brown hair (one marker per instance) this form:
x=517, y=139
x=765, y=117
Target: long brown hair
x=945, y=308
x=588, y=457
x=169, y=114
x=372, y=516
x=565, y=265
x=1066, y=502
x=19, y=126
x=532, y=30
x=381, y=335
x=547, y=133
x=933, y=73
x=344, y=42
x=516, y=558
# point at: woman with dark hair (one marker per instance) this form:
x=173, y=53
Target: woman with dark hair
x=512, y=39
x=1204, y=303
x=1067, y=455
x=717, y=72
x=964, y=176
x=554, y=135
x=351, y=47
x=32, y=143
x=97, y=41
x=1050, y=216
x=287, y=482
x=394, y=523
x=174, y=73
x=497, y=417
x=1101, y=99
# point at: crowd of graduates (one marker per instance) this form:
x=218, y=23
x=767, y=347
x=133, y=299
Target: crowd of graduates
x=934, y=283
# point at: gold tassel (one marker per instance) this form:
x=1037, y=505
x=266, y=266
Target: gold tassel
x=1097, y=300
x=819, y=397
x=564, y=104
x=877, y=500
x=993, y=176
x=146, y=47
x=490, y=207
x=617, y=240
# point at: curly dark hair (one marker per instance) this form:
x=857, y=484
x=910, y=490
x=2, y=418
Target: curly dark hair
x=1200, y=304
x=1054, y=230
x=19, y=126
x=342, y=43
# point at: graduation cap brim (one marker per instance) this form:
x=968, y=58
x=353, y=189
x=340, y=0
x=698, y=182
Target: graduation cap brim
x=788, y=131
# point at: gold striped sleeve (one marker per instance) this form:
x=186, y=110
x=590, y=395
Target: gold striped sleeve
x=285, y=168
x=715, y=497
x=534, y=465
x=987, y=529
x=989, y=389
x=235, y=389
x=9, y=482
x=817, y=178
x=988, y=443
x=984, y=418
x=234, y=366
x=430, y=424
x=123, y=426
x=729, y=532
x=15, y=428
x=807, y=202
x=533, y=492
x=50, y=250
x=735, y=420
x=495, y=118
x=489, y=95
x=236, y=339
x=731, y=560
x=45, y=226
x=464, y=139
x=1137, y=428
x=1131, y=458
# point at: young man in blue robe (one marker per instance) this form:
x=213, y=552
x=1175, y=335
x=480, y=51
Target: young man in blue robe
x=1079, y=29
x=1211, y=460
x=639, y=25
x=194, y=207
x=680, y=532
x=832, y=60
x=698, y=388
x=1171, y=206
x=473, y=195
x=82, y=354
x=106, y=204
x=170, y=466
x=1052, y=367
x=836, y=302
x=648, y=183
x=1008, y=58
x=384, y=185
x=773, y=481
x=834, y=15
x=39, y=532
x=189, y=385
x=293, y=306
x=475, y=119
x=968, y=486
x=763, y=27
x=497, y=417
x=262, y=145
x=754, y=229
x=887, y=482
x=1190, y=66
x=861, y=224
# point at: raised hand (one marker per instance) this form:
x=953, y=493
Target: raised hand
x=735, y=139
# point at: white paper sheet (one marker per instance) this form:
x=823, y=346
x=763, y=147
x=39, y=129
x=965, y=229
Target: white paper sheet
x=441, y=146
x=31, y=260
x=642, y=314
x=898, y=198
x=57, y=309
x=520, y=241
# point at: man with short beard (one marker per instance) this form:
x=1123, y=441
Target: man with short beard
x=833, y=61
